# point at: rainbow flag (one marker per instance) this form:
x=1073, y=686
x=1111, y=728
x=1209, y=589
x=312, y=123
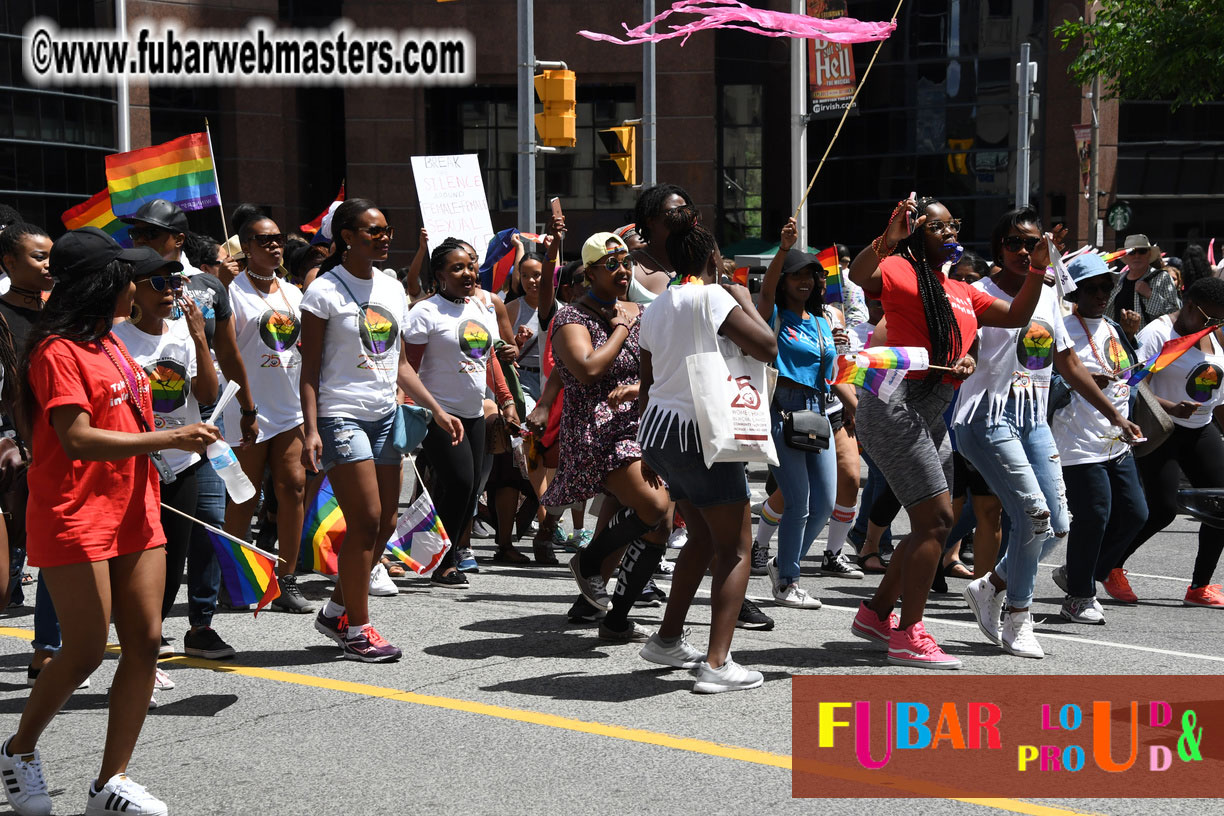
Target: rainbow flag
x=833, y=278
x=249, y=572
x=1110, y=257
x=323, y=532
x=740, y=275
x=96, y=212
x=880, y=381
x=180, y=171
x=317, y=224
x=420, y=540
x=1170, y=351
x=498, y=261
x=911, y=358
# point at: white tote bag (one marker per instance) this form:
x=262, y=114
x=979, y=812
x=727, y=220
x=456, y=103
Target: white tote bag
x=731, y=397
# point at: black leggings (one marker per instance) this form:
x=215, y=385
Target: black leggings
x=1200, y=454
x=456, y=472
x=181, y=494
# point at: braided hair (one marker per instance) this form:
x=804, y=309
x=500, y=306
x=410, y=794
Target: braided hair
x=689, y=245
x=345, y=217
x=942, y=329
x=650, y=204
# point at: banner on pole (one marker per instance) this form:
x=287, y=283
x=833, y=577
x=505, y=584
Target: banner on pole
x=831, y=76
x=451, y=192
x=1083, y=149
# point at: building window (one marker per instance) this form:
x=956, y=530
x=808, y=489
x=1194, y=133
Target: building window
x=740, y=152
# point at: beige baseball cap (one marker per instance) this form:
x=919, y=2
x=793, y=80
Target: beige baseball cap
x=601, y=244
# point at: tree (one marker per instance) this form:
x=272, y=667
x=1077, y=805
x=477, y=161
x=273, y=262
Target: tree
x=1151, y=49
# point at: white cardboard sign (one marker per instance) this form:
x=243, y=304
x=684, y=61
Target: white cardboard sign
x=451, y=193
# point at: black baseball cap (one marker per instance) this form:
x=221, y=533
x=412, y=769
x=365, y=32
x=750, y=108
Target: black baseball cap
x=150, y=262
x=797, y=260
x=88, y=249
x=159, y=213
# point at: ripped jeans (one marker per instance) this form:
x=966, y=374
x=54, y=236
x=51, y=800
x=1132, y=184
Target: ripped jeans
x=1017, y=456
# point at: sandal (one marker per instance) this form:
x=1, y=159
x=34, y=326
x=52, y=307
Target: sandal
x=950, y=570
x=863, y=560
x=509, y=555
x=394, y=568
x=542, y=549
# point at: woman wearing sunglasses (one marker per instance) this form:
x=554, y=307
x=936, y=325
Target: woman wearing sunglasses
x=1001, y=429
x=267, y=322
x=174, y=356
x=1189, y=389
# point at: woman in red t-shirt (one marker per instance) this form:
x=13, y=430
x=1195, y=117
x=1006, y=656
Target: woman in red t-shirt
x=906, y=435
x=93, y=516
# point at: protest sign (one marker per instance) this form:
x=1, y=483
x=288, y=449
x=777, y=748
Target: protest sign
x=451, y=192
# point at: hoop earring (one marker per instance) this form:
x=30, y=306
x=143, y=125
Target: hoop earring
x=136, y=314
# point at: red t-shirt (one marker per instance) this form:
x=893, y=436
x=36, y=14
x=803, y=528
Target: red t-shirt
x=87, y=511
x=907, y=325
x=547, y=361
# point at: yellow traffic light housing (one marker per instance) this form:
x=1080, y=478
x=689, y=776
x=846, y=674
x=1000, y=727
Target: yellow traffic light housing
x=557, y=125
x=621, y=144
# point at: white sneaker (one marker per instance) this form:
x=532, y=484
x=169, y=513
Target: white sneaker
x=32, y=678
x=1060, y=578
x=161, y=680
x=678, y=538
x=1018, y=637
x=987, y=606
x=381, y=584
x=680, y=655
x=795, y=596
x=730, y=676
x=122, y=795
x=1082, y=610
x=665, y=567
x=24, y=784
x=771, y=569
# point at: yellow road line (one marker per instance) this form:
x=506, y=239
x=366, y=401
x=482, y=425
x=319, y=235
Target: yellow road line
x=696, y=746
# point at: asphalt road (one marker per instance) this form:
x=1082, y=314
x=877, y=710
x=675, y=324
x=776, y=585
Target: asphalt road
x=500, y=705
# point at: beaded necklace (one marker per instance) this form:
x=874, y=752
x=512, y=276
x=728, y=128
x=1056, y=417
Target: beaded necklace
x=262, y=297
x=1113, y=368
x=138, y=384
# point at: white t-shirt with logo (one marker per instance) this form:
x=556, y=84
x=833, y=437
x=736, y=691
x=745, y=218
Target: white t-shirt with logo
x=458, y=340
x=170, y=361
x=1082, y=433
x=268, y=329
x=361, y=344
x=1194, y=376
x=1014, y=363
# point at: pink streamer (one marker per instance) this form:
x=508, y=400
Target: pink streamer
x=1211, y=253
x=732, y=14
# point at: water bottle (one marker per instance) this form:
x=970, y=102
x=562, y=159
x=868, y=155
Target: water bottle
x=221, y=457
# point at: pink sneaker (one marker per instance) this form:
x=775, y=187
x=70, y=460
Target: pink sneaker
x=868, y=626
x=914, y=647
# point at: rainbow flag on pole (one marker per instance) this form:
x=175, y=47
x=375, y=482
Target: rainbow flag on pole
x=323, y=532
x=249, y=572
x=420, y=540
x=314, y=226
x=1170, y=351
x=911, y=358
x=880, y=381
x=96, y=212
x=180, y=171
x=833, y=277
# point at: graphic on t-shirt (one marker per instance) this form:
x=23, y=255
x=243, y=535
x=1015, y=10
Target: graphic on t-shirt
x=169, y=385
x=474, y=340
x=279, y=331
x=1116, y=356
x=378, y=329
x=1203, y=381
x=1035, y=348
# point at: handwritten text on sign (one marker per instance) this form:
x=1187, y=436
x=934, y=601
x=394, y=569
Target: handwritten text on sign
x=452, y=196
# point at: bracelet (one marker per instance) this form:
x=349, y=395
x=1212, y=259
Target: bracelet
x=881, y=242
x=508, y=402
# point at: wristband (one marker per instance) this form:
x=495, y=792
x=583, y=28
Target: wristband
x=876, y=247
x=254, y=412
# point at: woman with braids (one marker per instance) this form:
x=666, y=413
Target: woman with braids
x=653, y=266
x=94, y=528
x=1001, y=429
x=906, y=436
x=714, y=501
x=352, y=360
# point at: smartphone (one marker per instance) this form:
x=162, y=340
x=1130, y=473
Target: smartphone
x=555, y=204
x=909, y=216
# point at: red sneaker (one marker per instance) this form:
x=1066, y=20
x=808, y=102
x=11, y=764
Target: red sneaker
x=867, y=624
x=1119, y=588
x=1209, y=596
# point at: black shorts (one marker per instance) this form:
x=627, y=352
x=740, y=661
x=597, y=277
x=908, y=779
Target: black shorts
x=966, y=477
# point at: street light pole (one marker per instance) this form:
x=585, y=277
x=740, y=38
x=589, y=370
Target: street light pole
x=123, y=101
x=649, y=122
x=526, y=115
x=1026, y=75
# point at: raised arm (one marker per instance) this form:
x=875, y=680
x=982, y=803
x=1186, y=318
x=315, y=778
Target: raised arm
x=769, y=286
x=1019, y=312
x=865, y=269
x=412, y=278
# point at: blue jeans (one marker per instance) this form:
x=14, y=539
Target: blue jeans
x=1017, y=457
x=808, y=482
x=876, y=485
x=46, y=622
x=1108, y=510
x=203, y=571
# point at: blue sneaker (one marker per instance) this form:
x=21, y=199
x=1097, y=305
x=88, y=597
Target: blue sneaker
x=467, y=561
x=579, y=540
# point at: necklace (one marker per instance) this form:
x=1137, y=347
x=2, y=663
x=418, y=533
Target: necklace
x=264, y=278
x=591, y=294
x=460, y=300
x=662, y=266
x=132, y=373
x=280, y=289
x=31, y=295
x=1113, y=368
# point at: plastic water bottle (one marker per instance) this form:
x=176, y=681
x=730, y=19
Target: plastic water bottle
x=221, y=457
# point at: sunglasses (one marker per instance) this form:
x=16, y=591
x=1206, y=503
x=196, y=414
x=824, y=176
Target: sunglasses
x=1012, y=243
x=611, y=263
x=270, y=239
x=145, y=233
x=939, y=226
x=378, y=232
x=161, y=283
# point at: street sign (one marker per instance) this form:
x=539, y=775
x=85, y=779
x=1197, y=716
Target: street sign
x=1119, y=215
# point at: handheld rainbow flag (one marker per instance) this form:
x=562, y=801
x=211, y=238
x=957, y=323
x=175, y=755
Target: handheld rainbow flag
x=249, y=572
x=323, y=532
x=313, y=227
x=498, y=261
x=1110, y=257
x=420, y=540
x=96, y=212
x=880, y=381
x=911, y=358
x=180, y=171
x=833, y=277
x=1170, y=351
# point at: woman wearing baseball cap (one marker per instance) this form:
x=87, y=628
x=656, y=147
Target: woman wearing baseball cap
x=94, y=527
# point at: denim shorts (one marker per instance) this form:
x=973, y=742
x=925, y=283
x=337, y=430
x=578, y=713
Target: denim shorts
x=355, y=440
x=676, y=456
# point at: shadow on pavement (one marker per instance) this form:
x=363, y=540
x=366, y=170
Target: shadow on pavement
x=197, y=705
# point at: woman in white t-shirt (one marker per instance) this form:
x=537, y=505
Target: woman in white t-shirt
x=268, y=322
x=1000, y=426
x=1189, y=389
x=713, y=501
x=352, y=359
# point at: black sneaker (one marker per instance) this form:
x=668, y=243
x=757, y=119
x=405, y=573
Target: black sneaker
x=291, y=598
x=206, y=643
x=455, y=580
x=165, y=650
x=651, y=595
x=760, y=559
x=583, y=611
x=837, y=566
x=751, y=617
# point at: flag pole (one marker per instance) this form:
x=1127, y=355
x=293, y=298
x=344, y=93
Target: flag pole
x=216, y=183
x=222, y=533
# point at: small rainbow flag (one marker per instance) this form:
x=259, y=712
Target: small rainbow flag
x=249, y=572
x=880, y=381
x=420, y=540
x=323, y=532
x=1170, y=351
x=911, y=358
x=833, y=278
x=740, y=275
x=180, y=171
x=317, y=224
x=96, y=212
x=1110, y=257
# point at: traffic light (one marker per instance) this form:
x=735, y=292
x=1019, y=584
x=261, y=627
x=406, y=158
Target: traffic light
x=557, y=124
x=621, y=144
